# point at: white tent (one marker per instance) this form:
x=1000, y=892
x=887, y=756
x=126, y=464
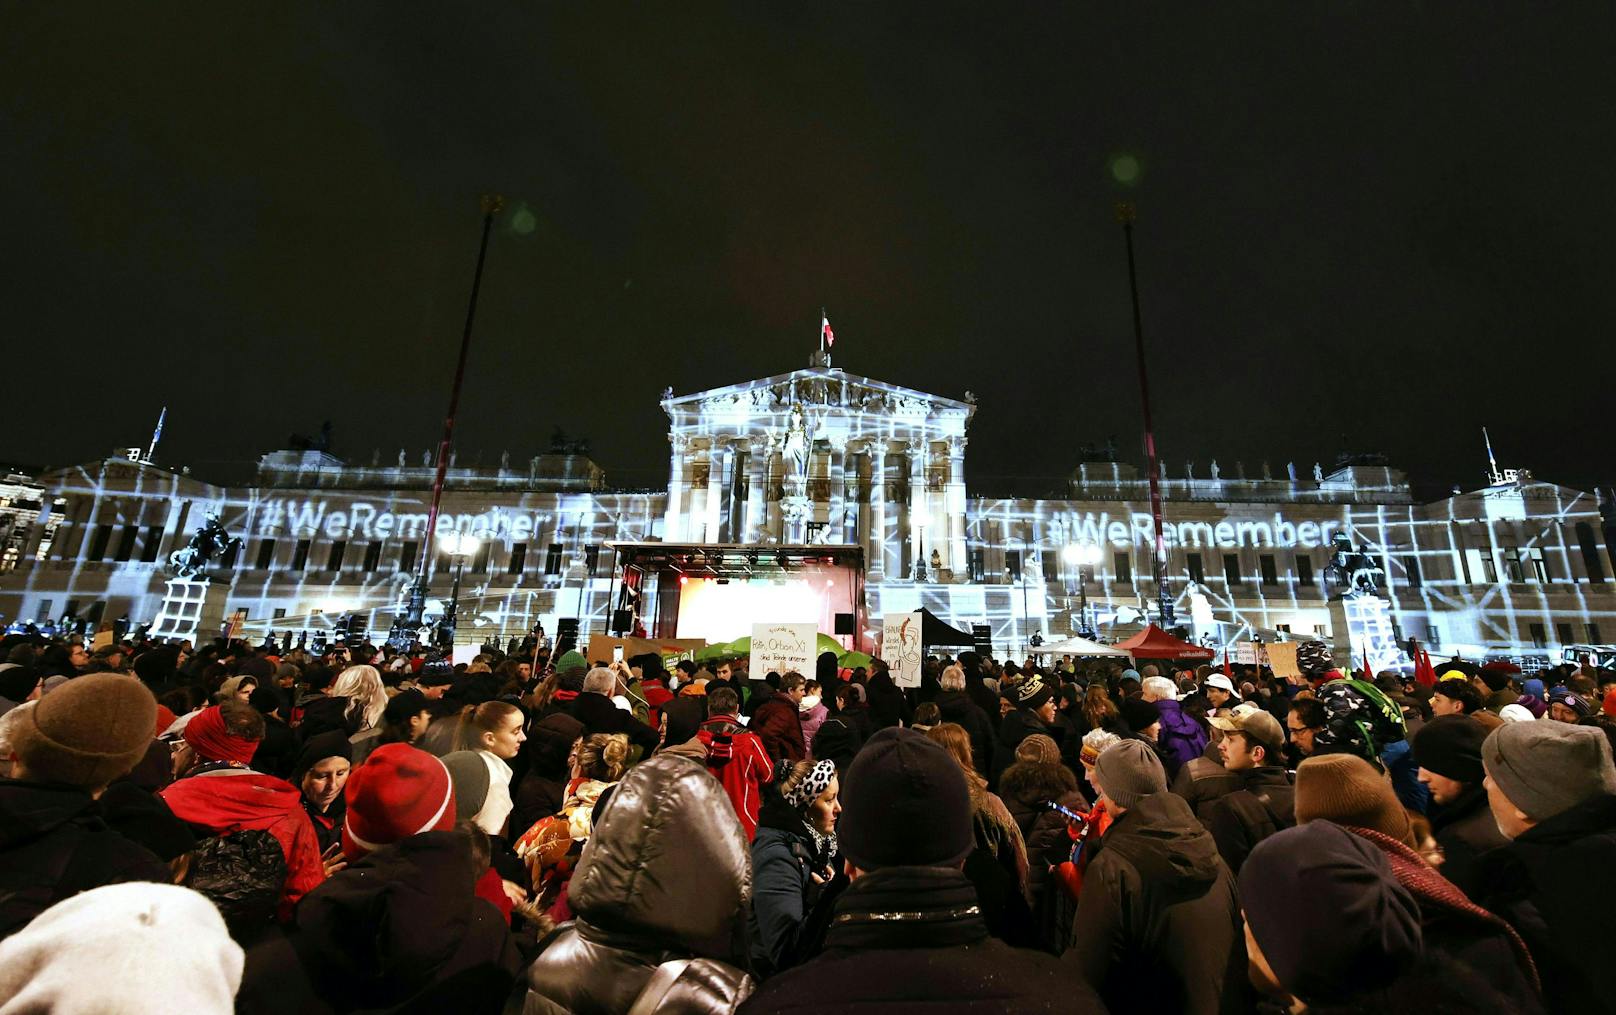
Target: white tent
x=1078, y=647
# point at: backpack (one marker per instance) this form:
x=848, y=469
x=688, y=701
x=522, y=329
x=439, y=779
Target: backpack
x=242, y=873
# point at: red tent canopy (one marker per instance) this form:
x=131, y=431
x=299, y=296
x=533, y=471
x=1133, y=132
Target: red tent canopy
x=1154, y=643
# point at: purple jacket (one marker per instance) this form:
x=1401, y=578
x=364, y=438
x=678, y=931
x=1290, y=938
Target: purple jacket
x=1181, y=738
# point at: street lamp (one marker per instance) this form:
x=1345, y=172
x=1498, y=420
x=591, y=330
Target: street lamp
x=457, y=546
x=1085, y=556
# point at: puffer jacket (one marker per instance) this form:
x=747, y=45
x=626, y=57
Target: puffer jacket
x=660, y=895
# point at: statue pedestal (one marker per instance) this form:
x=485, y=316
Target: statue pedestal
x=1361, y=627
x=191, y=607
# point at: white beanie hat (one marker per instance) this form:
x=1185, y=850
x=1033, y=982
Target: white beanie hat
x=135, y=947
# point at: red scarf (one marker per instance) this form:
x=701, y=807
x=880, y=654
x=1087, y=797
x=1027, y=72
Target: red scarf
x=208, y=737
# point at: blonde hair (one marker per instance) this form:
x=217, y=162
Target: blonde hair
x=366, y=695
x=603, y=756
x=957, y=742
x=475, y=720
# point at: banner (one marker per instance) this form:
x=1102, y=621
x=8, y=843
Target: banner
x=781, y=648
x=900, y=647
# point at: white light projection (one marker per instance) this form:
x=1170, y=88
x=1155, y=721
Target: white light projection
x=817, y=456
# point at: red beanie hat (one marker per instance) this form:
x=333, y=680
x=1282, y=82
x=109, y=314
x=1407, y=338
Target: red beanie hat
x=398, y=792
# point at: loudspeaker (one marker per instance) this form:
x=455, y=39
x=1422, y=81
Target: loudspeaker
x=845, y=624
x=566, y=636
x=622, y=621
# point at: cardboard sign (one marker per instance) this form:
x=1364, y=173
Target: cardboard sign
x=900, y=647
x=1282, y=660
x=781, y=648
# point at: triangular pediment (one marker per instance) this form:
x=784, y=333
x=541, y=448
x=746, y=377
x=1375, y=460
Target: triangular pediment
x=815, y=386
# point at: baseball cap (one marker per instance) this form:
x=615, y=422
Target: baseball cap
x=1255, y=724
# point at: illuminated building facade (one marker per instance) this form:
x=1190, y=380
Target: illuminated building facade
x=1519, y=568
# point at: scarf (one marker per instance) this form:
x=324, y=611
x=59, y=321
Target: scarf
x=212, y=741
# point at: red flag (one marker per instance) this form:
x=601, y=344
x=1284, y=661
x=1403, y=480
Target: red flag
x=1368, y=674
x=828, y=335
x=1424, y=672
x=1228, y=670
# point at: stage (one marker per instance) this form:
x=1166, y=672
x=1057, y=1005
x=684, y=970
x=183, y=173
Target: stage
x=717, y=591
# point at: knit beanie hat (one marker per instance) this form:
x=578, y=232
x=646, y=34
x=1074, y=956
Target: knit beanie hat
x=398, y=792
x=1128, y=771
x=92, y=730
x=1032, y=693
x=471, y=781
x=1358, y=929
x=1572, y=700
x=1139, y=714
x=404, y=706
x=330, y=744
x=1038, y=749
x=1545, y=768
x=1450, y=746
x=905, y=804
x=573, y=660
x=1346, y=789
x=135, y=947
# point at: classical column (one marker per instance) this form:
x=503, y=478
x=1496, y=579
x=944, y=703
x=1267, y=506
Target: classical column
x=919, y=504
x=715, y=489
x=875, y=537
x=773, y=523
x=836, y=495
x=955, y=558
x=673, y=525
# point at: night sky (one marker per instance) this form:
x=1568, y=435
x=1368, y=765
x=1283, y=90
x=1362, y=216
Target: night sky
x=1377, y=227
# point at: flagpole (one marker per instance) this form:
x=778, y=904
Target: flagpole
x=823, y=317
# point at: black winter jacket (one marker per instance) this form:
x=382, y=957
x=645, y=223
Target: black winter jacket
x=54, y=844
x=958, y=708
x=1264, y=804
x=1158, y=926
x=912, y=939
x=1466, y=830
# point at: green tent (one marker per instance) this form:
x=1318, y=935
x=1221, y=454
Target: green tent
x=853, y=660
x=828, y=644
x=713, y=653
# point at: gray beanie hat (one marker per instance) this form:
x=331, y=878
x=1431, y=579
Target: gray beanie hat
x=468, y=773
x=1548, y=767
x=1129, y=770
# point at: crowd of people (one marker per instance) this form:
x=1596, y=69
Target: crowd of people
x=258, y=830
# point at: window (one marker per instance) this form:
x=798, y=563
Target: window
x=1012, y=565
x=1304, y=569
x=485, y=550
x=1540, y=637
x=1270, y=571
x=1540, y=567
x=1231, y=567
x=45, y=609
x=97, y=542
x=1590, y=553
x=373, y=555
x=1593, y=635
x=1563, y=633
x=339, y=549
x=552, y=559
x=406, y=555
x=978, y=564
x=154, y=541
x=1196, y=568
x=1051, y=561
x=280, y=611
x=1122, y=566
x=126, y=542
x=266, y=553
x=300, y=555
x=1512, y=566
x=1484, y=567
x=227, y=559
x=518, y=558
x=1411, y=571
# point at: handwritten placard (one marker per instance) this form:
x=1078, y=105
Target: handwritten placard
x=781, y=648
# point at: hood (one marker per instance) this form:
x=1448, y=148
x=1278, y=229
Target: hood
x=30, y=809
x=1175, y=855
x=381, y=929
x=835, y=737
x=227, y=801
x=549, y=741
x=667, y=861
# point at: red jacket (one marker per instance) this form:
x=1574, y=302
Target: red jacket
x=231, y=800
x=746, y=771
x=656, y=695
x=778, y=725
